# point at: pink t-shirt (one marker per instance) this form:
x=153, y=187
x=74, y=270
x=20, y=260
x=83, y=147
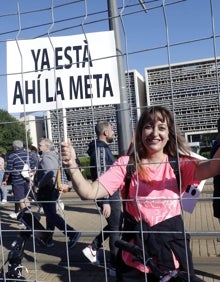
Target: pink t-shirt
x=152, y=202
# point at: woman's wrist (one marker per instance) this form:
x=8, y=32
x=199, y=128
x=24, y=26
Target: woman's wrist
x=73, y=168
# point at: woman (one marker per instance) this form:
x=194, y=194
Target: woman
x=153, y=193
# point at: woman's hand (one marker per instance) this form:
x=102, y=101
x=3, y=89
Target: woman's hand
x=68, y=154
x=106, y=210
x=82, y=186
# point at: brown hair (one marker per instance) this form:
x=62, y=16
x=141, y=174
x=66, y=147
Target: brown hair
x=176, y=142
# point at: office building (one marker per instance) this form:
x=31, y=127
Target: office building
x=191, y=89
x=36, y=125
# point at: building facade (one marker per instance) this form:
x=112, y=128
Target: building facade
x=36, y=125
x=191, y=89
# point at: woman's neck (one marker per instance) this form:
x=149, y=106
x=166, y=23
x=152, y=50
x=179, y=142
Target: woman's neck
x=154, y=160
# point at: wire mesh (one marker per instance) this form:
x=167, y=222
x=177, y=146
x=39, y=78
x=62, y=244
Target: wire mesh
x=170, y=55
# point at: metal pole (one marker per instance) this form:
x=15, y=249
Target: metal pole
x=123, y=114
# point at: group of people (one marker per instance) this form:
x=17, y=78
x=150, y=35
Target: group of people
x=40, y=185
x=147, y=184
x=44, y=170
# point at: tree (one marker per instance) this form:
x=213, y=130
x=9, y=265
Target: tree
x=11, y=129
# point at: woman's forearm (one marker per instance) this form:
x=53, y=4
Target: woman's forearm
x=208, y=169
x=84, y=188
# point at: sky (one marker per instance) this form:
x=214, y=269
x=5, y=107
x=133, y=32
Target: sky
x=190, y=28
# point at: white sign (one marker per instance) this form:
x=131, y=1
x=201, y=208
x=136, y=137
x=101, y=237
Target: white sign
x=62, y=72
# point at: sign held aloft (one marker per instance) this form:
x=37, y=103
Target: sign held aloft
x=62, y=72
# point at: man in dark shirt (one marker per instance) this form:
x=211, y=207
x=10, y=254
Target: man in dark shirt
x=101, y=158
x=216, y=180
x=15, y=164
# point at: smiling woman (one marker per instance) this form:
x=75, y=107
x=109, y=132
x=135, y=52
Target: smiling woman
x=152, y=199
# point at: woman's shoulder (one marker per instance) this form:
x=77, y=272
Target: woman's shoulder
x=121, y=163
x=189, y=162
x=123, y=159
x=192, y=156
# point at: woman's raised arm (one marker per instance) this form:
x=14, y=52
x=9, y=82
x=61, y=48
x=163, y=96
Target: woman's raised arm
x=209, y=168
x=85, y=189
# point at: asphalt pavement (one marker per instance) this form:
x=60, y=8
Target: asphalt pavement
x=59, y=263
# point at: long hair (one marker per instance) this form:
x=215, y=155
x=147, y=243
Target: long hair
x=176, y=142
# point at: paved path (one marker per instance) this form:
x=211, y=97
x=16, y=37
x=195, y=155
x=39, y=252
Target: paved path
x=58, y=264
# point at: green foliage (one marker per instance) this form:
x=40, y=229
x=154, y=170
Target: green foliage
x=85, y=164
x=11, y=129
x=205, y=152
x=206, y=155
x=84, y=161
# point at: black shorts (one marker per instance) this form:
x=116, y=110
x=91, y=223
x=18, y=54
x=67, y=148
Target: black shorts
x=20, y=191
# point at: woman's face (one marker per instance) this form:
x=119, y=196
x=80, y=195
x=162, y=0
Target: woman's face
x=155, y=135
